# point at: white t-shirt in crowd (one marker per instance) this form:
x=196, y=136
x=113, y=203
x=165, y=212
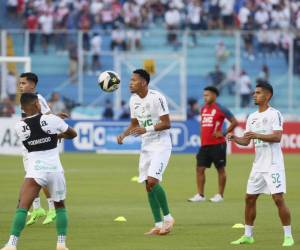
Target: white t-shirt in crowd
x=172, y=17
x=245, y=85
x=46, y=22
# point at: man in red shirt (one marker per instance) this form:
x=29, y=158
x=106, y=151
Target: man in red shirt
x=213, y=143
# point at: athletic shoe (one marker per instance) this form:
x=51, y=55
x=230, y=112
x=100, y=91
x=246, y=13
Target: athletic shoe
x=243, y=240
x=153, y=231
x=216, y=198
x=167, y=227
x=197, y=198
x=51, y=216
x=9, y=248
x=288, y=241
x=35, y=215
x=61, y=247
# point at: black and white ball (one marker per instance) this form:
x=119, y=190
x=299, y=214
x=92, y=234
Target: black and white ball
x=109, y=81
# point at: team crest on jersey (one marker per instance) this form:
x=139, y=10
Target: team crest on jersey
x=213, y=112
x=265, y=120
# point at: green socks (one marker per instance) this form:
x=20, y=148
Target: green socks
x=162, y=198
x=155, y=208
x=19, y=222
x=61, y=221
x=158, y=200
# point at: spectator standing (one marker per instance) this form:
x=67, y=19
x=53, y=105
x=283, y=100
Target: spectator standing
x=194, y=19
x=264, y=74
x=227, y=13
x=125, y=112
x=32, y=24
x=217, y=77
x=108, y=112
x=245, y=89
x=11, y=86
x=172, y=19
x=95, y=51
x=7, y=108
x=73, y=61
x=118, y=38
x=46, y=24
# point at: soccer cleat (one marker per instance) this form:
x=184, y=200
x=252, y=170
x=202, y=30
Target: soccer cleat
x=35, y=215
x=9, y=248
x=51, y=216
x=288, y=241
x=243, y=240
x=216, y=198
x=153, y=231
x=197, y=198
x=61, y=247
x=167, y=227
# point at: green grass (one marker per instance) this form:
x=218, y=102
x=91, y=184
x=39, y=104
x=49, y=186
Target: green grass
x=99, y=190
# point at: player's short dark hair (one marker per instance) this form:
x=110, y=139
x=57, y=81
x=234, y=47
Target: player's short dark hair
x=28, y=98
x=212, y=89
x=31, y=77
x=143, y=73
x=260, y=83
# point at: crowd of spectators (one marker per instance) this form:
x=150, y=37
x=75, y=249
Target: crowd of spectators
x=134, y=15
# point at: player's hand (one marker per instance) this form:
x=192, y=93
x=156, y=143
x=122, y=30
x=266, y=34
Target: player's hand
x=138, y=131
x=218, y=134
x=230, y=137
x=63, y=115
x=120, y=139
x=251, y=135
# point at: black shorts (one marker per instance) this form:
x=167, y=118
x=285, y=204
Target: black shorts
x=212, y=154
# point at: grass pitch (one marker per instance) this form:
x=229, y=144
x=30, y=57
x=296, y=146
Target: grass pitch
x=99, y=190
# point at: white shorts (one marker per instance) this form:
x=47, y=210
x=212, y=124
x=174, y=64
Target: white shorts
x=266, y=182
x=55, y=182
x=153, y=163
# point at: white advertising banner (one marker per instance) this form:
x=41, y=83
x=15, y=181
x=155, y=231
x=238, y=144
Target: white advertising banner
x=9, y=141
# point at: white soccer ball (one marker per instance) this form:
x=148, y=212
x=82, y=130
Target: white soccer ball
x=109, y=81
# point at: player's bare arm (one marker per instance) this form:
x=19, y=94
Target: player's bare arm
x=133, y=124
x=274, y=137
x=162, y=125
x=69, y=134
x=233, y=123
x=244, y=141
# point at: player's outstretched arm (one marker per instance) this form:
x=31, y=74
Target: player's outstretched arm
x=69, y=134
x=133, y=124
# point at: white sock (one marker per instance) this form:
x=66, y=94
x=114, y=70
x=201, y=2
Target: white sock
x=287, y=231
x=13, y=240
x=50, y=203
x=168, y=217
x=248, y=231
x=158, y=224
x=61, y=240
x=36, y=203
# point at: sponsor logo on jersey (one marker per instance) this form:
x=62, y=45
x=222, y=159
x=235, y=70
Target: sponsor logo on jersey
x=39, y=141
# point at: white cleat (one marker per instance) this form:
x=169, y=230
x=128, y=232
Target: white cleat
x=216, y=198
x=61, y=247
x=197, y=198
x=167, y=227
x=9, y=248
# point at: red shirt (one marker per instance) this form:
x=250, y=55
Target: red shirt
x=212, y=119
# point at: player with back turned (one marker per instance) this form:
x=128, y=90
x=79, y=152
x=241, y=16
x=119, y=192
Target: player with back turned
x=39, y=134
x=150, y=120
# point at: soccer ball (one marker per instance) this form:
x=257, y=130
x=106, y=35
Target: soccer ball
x=109, y=81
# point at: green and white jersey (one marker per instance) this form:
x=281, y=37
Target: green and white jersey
x=268, y=155
x=147, y=111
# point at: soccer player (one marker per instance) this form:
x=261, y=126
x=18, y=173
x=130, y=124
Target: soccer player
x=39, y=134
x=28, y=82
x=150, y=120
x=265, y=127
x=213, y=143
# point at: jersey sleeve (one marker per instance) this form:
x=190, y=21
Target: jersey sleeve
x=52, y=124
x=44, y=106
x=248, y=122
x=277, y=121
x=227, y=113
x=131, y=107
x=22, y=130
x=162, y=105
